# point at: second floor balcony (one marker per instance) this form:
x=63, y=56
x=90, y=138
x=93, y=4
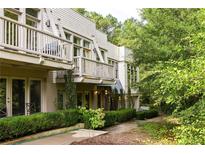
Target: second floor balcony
x=25, y=40
x=90, y=71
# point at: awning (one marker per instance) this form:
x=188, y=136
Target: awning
x=116, y=88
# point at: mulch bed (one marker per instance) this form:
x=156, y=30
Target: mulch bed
x=134, y=137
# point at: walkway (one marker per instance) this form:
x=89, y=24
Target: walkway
x=66, y=138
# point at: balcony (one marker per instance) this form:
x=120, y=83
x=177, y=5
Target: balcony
x=90, y=71
x=24, y=40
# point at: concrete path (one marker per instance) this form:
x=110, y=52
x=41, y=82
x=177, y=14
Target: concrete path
x=66, y=138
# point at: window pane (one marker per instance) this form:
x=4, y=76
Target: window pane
x=35, y=96
x=76, y=40
x=18, y=97
x=3, y=111
x=31, y=23
x=86, y=44
x=10, y=15
x=32, y=12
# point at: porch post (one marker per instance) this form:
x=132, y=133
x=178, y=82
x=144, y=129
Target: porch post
x=1, y=27
x=22, y=31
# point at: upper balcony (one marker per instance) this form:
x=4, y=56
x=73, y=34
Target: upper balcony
x=23, y=43
x=90, y=71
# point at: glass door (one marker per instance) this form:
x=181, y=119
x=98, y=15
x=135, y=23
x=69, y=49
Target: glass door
x=35, y=96
x=18, y=97
x=3, y=94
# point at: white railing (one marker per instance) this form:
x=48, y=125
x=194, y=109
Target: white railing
x=92, y=68
x=17, y=36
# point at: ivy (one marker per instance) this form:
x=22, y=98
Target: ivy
x=70, y=90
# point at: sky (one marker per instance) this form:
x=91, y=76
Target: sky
x=120, y=13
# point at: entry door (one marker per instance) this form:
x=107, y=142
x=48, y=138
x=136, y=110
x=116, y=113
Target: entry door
x=18, y=96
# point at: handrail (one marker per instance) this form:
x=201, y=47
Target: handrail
x=35, y=29
x=92, y=60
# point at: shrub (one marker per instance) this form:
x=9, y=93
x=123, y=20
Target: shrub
x=13, y=127
x=141, y=115
x=93, y=118
x=113, y=117
x=192, y=128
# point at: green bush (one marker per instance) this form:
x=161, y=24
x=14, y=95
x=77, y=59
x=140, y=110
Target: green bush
x=141, y=115
x=192, y=125
x=93, y=119
x=113, y=117
x=13, y=127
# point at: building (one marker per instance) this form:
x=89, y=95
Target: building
x=37, y=46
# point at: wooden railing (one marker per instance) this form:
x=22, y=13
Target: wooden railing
x=88, y=67
x=17, y=36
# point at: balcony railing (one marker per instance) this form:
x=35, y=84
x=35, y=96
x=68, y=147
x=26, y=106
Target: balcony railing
x=20, y=37
x=88, y=67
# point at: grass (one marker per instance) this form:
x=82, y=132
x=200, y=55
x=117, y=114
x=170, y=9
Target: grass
x=160, y=132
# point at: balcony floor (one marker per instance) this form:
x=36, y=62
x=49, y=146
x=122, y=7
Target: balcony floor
x=22, y=58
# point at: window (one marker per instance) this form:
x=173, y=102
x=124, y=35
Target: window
x=11, y=15
x=31, y=23
x=32, y=12
x=86, y=44
x=103, y=54
x=76, y=40
x=67, y=36
x=109, y=61
x=76, y=51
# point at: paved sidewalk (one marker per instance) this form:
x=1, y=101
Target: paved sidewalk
x=66, y=138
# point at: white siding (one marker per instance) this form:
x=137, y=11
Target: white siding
x=101, y=39
x=75, y=22
x=113, y=51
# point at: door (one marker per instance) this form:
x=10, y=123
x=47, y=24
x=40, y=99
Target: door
x=18, y=97
x=35, y=96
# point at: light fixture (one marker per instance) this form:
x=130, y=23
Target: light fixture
x=96, y=92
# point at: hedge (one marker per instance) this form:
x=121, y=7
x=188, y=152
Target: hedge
x=122, y=115
x=141, y=115
x=13, y=127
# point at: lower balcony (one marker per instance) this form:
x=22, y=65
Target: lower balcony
x=25, y=44
x=90, y=71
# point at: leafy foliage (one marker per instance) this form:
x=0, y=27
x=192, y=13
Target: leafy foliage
x=70, y=90
x=92, y=118
x=192, y=128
